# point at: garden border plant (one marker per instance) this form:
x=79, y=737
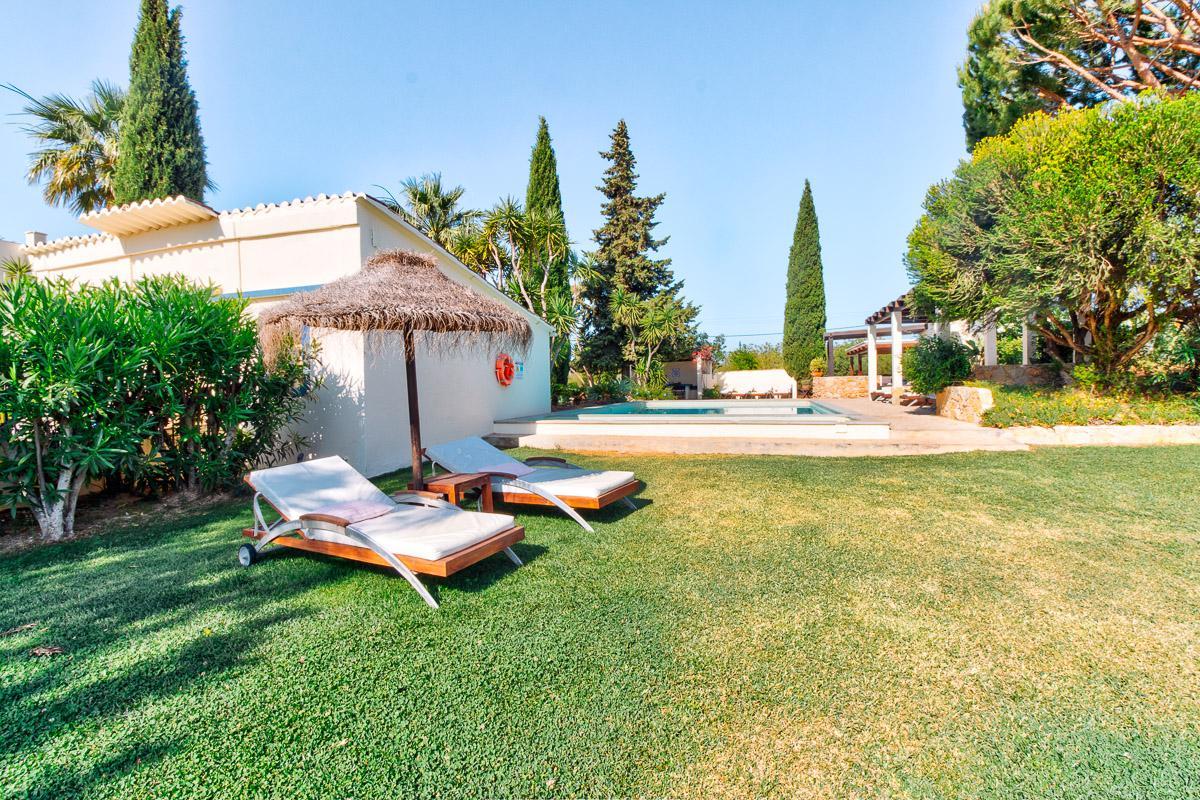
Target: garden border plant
x=158, y=383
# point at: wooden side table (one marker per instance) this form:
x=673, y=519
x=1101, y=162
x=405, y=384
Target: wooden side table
x=454, y=485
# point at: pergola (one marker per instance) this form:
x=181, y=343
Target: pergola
x=897, y=313
x=902, y=318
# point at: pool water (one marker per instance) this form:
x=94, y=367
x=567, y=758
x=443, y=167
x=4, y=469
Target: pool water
x=669, y=408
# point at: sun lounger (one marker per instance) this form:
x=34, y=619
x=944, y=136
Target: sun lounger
x=912, y=399
x=542, y=481
x=325, y=506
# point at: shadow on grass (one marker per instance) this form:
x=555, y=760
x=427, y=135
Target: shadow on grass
x=128, y=609
x=612, y=513
x=475, y=578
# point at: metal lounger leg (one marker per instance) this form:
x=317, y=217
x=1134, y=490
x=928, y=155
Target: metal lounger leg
x=354, y=533
x=629, y=503
x=281, y=528
x=396, y=563
x=271, y=533
x=534, y=489
x=508, y=551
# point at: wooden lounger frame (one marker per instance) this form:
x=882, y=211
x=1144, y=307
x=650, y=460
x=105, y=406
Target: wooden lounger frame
x=442, y=568
x=608, y=498
x=294, y=536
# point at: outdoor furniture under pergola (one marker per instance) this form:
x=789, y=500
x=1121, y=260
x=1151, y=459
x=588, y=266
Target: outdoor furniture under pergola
x=403, y=292
x=858, y=353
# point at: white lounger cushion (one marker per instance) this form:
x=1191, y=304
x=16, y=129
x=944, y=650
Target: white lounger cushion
x=421, y=532
x=475, y=455
x=565, y=482
x=309, y=486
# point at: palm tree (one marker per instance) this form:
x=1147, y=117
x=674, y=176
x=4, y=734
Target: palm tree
x=652, y=323
x=430, y=207
x=78, y=141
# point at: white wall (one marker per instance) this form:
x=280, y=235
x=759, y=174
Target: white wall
x=747, y=381
x=457, y=387
x=9, y=250
x=685, y=372
x=457, y=391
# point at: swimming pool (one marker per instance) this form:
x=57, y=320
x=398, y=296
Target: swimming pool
x=725, y=408
x=621, y=424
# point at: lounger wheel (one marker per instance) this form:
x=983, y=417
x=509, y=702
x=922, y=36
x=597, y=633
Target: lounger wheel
x=247, y=555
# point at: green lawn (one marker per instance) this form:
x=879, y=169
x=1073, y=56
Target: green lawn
x=973, y=625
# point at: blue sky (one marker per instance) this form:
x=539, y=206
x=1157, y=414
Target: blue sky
x=730, y=107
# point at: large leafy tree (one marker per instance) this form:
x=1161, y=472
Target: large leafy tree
x=1029, y=55
x=544, y=195
x=623, y=260
x=1089, y=222
x=804, y=309
x=77, y=145
x=161, y=150
x=431, y=207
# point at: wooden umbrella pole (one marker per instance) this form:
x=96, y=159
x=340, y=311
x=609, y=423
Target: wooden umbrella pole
x=414, y=410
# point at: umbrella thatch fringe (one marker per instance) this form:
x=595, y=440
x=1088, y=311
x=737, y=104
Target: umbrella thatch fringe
x=398, y=290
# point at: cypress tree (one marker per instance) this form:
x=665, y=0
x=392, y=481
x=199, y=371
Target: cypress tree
x=161, y=150
x=804, y=312
x=623, y=257
x=543, y=194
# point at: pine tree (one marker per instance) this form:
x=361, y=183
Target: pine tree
x=804, y=313
x=623, y=258
x=161, y=150
x=543, y=194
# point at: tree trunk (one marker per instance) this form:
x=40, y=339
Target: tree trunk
x=56, y=518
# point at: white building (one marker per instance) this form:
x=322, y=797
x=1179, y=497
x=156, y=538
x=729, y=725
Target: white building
x=9, y=250
x=270, y=251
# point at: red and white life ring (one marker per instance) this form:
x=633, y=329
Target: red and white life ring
x=505, y=369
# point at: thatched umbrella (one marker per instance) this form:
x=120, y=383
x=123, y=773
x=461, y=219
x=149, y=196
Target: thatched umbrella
x=402, y=291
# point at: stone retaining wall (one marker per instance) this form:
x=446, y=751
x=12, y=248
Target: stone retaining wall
x=1017, y=374
x=966, y=403
x=844, y=386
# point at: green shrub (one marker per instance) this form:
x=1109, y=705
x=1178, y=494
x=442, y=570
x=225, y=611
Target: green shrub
x=68, y=357
x=1009, y=349
x=742, y=358
x=158, y=382
x=607, y=389
x=1172, y=362
x=937, y=362
x=816, y=366
x=653, y=388
x=218, y=407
